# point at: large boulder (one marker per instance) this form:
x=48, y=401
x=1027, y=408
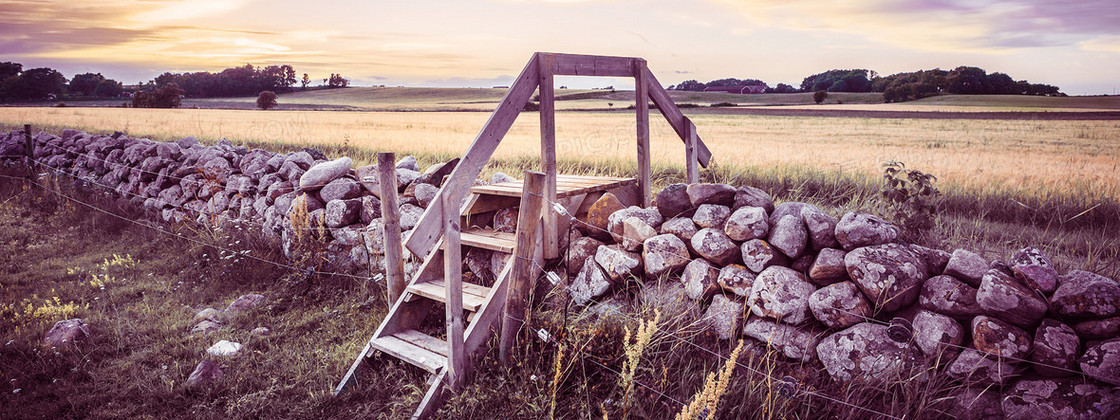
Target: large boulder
x=650, y=216
x=635, y=232
x=757, y=254
x=949, y=296
x=1101, y=361
x=1082, y=294
x=664, y=254
x=781, y=293
x=746, y=196
x=1059, y=399
x=340, y=213
x=67, y=333
x=736, y=279
x=1055, y=349
x=618, y=263
x=340, y=189
x=699, y=279
x=722, y=316
x=828, y=267
x=890, y=275
x=1000, y=339
x=821, y=227
x=581, y=249
x=319, y=175
x=410, y=216
x=681, y=227
x=839, y=305
x=715, y=246
x=865, y=351
x=938, y=336
x=790, y=341
x=1005, y=298
x=967, y=266
x=789, y=236
x=597, y=220
x=590, y=284
x=721, y=194
x=973, y=367
x=747, y=223
x=856, y=230
x=711, y=216
x=673, y=201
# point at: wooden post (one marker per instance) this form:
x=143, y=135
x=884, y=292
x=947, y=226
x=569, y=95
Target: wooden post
x=453, y=284
x=548, y=155
x=691, y=164
x=641, y=95
x=517, y=296
x=391, y=218
x=30, y=152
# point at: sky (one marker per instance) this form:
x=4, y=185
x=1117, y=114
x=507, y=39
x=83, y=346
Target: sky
x=1074, y=45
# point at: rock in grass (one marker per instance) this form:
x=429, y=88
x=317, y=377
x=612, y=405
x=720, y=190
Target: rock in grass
x=700, y=279
x=1101, y=361
x=890, y=275
x=938, y=336
x=973, y=368
x=782, y=294
x=839, y=305
x=722, y=316
x=1055, y=349
x=246, y=303
x=408, y=162
x=866, y=352
x=580, y=250
x=967, y=266
x=856, y=230
x=715, y=246
x=747, y=223
x=1058, y=399
x=1000, y=339
x=590, y=284
x=67, y=333
x=791, y=342
x=206, y=374
x=1082, y=294
x=597, y=222
x=664, y=254
x=224, y=348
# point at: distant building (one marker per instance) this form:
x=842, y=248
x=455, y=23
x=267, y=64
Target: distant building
x=742, y=90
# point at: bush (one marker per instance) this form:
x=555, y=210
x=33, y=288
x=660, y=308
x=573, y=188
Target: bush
x=912, y=196
x=266, y=100
x=166, y=96
x=820, y=95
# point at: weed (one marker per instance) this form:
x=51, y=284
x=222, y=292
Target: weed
x=634, y=350
x=706, y=401
x=912, y=197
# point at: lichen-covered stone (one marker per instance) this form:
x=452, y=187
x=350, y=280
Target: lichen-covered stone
x=598, y=216
x=856, y=230
x=1082, y=294
x=789, y=236
x=864, y=351
x=1095, y=329
x=681, y=227
x=635, y=232
x=736, y=279
x=664, y=254
x=673, y=201
x=590, y=284
x=821, y=227
x=753, y=197
x=711, y=216
x=828, y=267
x=972, y=367
x=936, y=259
x=618, y=263
x=1055, y=349
x=782, y=294
x=715, y=246
x=319, y=175
x=1037, y=399
x=67, y=333
x=1000, y=339
x=757, y=254
x=699, y=279
x=791, y=342
x=1004, y=297
x=967, y=266
x=949, y=296
x=650, y=216
x=722, y=316
x=580, y=250
x=1101, y=361
x=839, y=305
x=890, y=275
x=721, y=194
x=340, y=189
x=938, y=336
x=747, y=223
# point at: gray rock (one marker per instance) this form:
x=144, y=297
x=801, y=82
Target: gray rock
x=757, y=254
x=1095, y=329
x=722, y=316
x=500, y=177
x=935, y=259
x=937, y=335
x=781, y=293
x=1101, y=361
x=341, y=213
x=736, y=279
x=1082, y=294
x=348, y=235
x=715, y=246
x=340, y=189
x=856, y=230
x=635, y=232
x=70, y=332
x=949, y=296
x=597, y=221
x=999, y=339
x=792, y=342
x=821, y=227
x=711, y=216
x=477, y=261
x=371, y=209
x=618, y=263
x=753, y=197
x=789, y=236
x=187, y=142
x=408, y=162
x=973, y=368
x=1055, y=349
x=505, y=220
x=225, y=348
x=673, y=201
x=406, y=177
x=681, y=227
x=975, y=403
x=206, y=374
x=590, y=284
x=207, y=314
x=1059, y=399
x=967, y=266
x=206, y=326
x=410, y=216
x=721, y=194
x=747, y=223
x=789, y=208
x=260, y=332
x=828, y=267
x=864, y=351
x=1030, y=256
x=319, y=175
x=650, y=216
x=425, y=193
x=245, y=303
x=663, y=255
x=435, y=173
x=580, y=250
x=1037, y=277
x=890, y=275
x=1005, y=298
x=839, y=305
x=699, y=279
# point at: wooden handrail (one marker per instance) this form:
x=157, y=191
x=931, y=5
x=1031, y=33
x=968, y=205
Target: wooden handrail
x=675, y=117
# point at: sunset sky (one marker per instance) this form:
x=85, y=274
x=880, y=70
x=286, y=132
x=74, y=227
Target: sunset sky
x=1074, y=45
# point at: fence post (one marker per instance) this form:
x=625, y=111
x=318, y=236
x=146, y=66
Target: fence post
x=517, y=295
x=453, y=285
x=692, y=170
x=30, y=152
x=391, y=219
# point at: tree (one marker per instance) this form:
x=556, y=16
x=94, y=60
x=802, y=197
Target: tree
x=38, y=84
x=85, y=83
x=108, y=88
x=9, y=69
x=820, y=96
x=337, y=81
x=306, y=81
x=266, y=100
x=166, y=96
x=854, y=80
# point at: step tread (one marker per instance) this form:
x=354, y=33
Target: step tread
x=489, y=239
x=474, y=296
x=411, y=353
x=566, y=185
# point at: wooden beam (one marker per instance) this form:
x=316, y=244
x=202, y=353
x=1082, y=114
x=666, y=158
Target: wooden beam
x=391, y=218
x=453, y=283
x=548, y=154
x=590, y=65
x=430, y=227
x=691, y=168
x=674, y=116
x=517, y=296
x=641, y=97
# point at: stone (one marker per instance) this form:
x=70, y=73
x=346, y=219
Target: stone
x=245, y=303
x=340, y=189
x=821, y=228
x=505, y=220
x=187, y=142
x=668, y=298
x=721, y=194
x=856, y=230
x=890, y=275
x=1101, y=361
x=500, y=177
x=839, y=305
x=789, y=236
x=434, y=174
x=781, y=293
x=747, y=223
x=1000, y=339
x=791, y=342
x=715, y=246
x=1029, y=256
x=207, y=314
x=935, y=259
x=206, y=374
x=972, y=367
x=650, y=216
x=1037, y=277
x=663, y=255
x=864, y=351
x=673, y=201
x=789, y=208
x=224, y=348
x=260, y=332
x=618, y=263
x=1005, y=298
x=598, y=216
x=722, y=316
x=1082, y=294
x=70, y=332
x=408, y=162
x=938, y=336
x=1059, y=399
x=711, y=216
x=478, y=263
x=947, y=295
x=967, y=266
x=747, y=196
x=371, y=209
x=681, y=227
x=828, y=267
x=736, y=279
x=1095, y=329
x=580, y=250
x=406, y=177
x=410, y=216
x=339, y=213
x=699, y=279
x=320, y=174
x=757, y=254
x=975, y=403
x=1055, y=349
x=635, y=232
x=425, y=193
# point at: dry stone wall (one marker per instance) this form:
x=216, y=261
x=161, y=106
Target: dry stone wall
x=841, y=293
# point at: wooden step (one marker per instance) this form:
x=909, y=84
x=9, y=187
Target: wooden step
x=489, y=239
x=473, y=295
x=416, y=348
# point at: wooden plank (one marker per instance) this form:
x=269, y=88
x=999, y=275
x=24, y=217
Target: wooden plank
x=692, y=170
x=565, y=187
x=434, y=398
x=675, y=117
x=430, y=227
x=408, y=352
x=424, y=341
x=492, y=240
x=641, y=97
x=391, y=218
x=436, y=291
x=351, y=375
x=590, y=65
x=453, y=283
x=548, y=153
x=520, y=282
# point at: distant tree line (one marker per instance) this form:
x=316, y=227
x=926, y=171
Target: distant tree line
x=45, y=83
x=695, y=86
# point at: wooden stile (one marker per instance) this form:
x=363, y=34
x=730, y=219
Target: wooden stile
x=391, y=220
x=521, y=280
x=641, y=98
x=453, y=282
x=548, y=153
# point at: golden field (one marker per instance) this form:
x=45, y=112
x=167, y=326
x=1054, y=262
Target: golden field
x=1041, y=158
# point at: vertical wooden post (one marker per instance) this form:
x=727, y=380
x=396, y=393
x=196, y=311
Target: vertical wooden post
x=691, y=163
x=30, y=151
x=391, y=219
x=517, y=296
x=641, y=95
x=548, y=155
x=453, y=284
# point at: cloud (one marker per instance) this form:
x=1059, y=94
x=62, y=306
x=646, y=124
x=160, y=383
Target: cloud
x=1105, y=43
